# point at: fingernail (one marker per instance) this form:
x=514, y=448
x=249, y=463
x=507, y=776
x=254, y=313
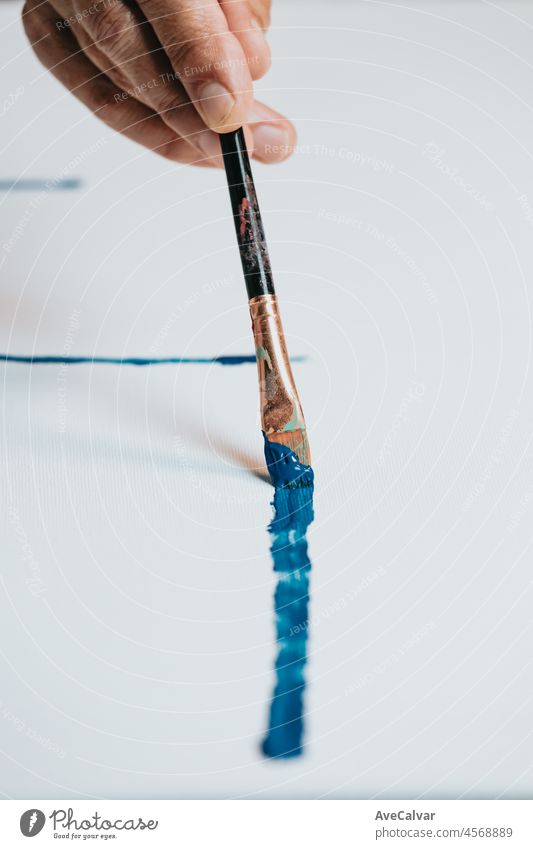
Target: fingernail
x=214, y=103
x=271, y=142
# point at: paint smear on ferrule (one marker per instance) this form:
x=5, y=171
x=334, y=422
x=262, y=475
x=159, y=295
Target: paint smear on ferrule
x=293, y=513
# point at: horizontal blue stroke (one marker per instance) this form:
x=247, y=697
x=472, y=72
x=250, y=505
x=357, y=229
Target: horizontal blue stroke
x=236, y=360
x=37, y=184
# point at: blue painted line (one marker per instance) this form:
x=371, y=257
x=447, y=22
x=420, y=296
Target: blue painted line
x=35, y=184
x=223, y=360
x=293, y=513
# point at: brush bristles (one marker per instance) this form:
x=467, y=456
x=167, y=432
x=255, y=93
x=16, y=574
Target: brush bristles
x=297, y=441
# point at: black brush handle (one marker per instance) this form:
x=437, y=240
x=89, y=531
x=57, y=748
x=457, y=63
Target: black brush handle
x=246, y=215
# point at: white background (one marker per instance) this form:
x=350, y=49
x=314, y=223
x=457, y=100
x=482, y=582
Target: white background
x=137, y=636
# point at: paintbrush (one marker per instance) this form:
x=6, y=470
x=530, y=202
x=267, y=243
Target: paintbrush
x=286, y=445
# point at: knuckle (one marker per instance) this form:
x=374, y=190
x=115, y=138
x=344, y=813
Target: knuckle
x=169, y=101
x=111, y=30
x=118, y=77
x=195, y=59
x=196, y=53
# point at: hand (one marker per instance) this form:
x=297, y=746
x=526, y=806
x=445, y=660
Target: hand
x=169, y=74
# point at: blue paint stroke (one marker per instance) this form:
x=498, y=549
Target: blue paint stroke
x=35, y=184
x=293, y=513
x=284, y=466
x=223, y=360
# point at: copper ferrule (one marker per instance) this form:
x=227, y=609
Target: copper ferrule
x=281, y=411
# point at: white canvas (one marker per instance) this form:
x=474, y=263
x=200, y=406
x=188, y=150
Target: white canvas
x=137, y=633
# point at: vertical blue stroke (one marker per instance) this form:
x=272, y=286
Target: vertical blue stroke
x=293, y=513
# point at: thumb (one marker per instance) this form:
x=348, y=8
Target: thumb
x=206, y=57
